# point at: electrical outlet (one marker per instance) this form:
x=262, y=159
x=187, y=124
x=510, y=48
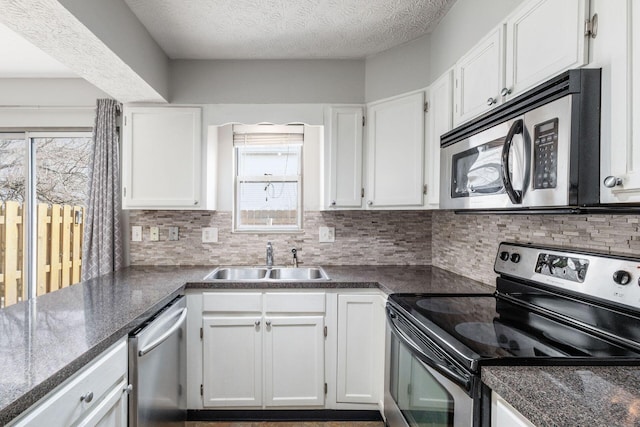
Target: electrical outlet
x=210, y=235
x=327, y=234
x=154, y=234
x=173, y=233
x=136, y=233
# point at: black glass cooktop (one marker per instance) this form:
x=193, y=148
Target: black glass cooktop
x=483, y=329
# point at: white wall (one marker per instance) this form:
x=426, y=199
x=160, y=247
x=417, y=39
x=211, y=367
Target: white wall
x=398, y=70
x=120, y=30
x=47, y=103
x=267, y=81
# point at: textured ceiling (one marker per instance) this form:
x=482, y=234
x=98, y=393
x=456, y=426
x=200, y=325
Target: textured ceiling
x=285, y=29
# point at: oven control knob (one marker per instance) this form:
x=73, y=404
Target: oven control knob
x=515, y=257
x=621, y=277
x=504, y=255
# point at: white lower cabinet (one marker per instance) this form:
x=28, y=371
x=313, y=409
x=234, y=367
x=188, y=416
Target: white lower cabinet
x=504, y=415
x=294, y=361
x=232, y=371
x=94, y=396
x=263, y=350
x=360, y=361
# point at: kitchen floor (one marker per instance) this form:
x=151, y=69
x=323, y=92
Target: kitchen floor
x=287, y=424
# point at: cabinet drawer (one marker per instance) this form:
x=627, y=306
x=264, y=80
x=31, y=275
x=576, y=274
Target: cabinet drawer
x=63, y=406
x=232, y=302
x=284, y=302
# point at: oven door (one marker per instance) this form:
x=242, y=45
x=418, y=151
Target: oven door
x=487, y=170
x=423, y=387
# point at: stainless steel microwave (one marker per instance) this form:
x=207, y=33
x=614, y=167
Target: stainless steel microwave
x=539, y=151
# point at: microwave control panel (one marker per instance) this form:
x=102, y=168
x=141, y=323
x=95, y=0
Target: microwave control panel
x=545, y=149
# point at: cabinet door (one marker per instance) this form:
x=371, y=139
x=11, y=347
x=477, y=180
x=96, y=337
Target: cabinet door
x=162, y=158
x=345, y=158
x=294, y=361
x=480, y=77
x=111, y=411
x=440, y=116
x=503, y=414
x=616, y=49
x=360, y=344
x=232, y=361
x=395, y=160
x=544, y=38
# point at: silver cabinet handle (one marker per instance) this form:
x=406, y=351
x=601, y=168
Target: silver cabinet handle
x=128, y=389
x=491, y=101
x=87, y=397
x=505, y=91
x=333, y=203
x=370, y=203
x=612, y=181
x=257, y=323
x=268, y=322
x=195, y=203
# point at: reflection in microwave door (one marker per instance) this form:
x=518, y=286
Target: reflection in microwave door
x=485, y=177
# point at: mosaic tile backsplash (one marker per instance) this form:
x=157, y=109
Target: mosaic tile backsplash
x=467, y=244
x=464, y=244
x=362, y=238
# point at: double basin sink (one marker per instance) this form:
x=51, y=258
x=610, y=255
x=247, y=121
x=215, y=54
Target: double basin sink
x=252, y=274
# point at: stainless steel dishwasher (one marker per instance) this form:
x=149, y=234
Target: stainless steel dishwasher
x=157, y=368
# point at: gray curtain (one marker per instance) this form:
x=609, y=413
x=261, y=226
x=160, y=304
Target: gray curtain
x=102, y=250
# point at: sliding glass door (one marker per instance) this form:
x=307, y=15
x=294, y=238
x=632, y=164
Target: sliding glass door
x=43, y=188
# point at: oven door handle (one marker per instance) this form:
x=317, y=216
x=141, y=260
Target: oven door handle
x=514, y=195
x=426, y=355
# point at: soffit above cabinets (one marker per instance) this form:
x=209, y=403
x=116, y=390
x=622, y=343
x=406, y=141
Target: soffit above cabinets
x=285, y=29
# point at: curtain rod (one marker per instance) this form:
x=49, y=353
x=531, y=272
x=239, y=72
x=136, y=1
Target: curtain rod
x=46, y=107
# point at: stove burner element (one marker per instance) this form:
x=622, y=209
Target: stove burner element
x=483, y=333
x=438, y=306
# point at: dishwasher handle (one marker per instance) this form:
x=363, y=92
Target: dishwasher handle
x=165, y=335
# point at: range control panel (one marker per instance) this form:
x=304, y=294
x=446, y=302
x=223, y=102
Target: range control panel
x=615, y=279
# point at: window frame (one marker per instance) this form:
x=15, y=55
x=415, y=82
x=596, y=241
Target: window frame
x=237, y=227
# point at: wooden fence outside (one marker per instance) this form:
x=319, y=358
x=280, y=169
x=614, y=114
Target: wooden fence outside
x=58, y=250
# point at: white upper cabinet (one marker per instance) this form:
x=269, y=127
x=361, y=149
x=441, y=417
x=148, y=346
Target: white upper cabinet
x=544, y=38
x=616, y=49
x=440, y=121
x=162, y=159
x=480, y=77
x=344, y=177
x=395, y=153
x=540, y=39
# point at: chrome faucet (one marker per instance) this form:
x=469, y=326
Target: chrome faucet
x=294, y=251
x=269, y=254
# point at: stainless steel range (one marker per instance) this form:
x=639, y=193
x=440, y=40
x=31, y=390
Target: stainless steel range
x=551, y=307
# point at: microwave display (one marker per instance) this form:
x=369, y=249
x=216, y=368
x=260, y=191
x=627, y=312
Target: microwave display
x=545, y=166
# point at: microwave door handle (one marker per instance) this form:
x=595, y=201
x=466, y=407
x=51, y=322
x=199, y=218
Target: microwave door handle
x=514, y=195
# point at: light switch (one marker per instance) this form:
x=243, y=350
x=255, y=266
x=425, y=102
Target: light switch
x=210, y=235
x=154, y=234
x=327, y=234
x=136, y=233
x=173, y=233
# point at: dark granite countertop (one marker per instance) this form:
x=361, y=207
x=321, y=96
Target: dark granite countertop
x=565, y=396
x=45, y=341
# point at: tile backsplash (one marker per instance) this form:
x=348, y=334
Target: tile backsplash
x=466, y=244
x=362, y=238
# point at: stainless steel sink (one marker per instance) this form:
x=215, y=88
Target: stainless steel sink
x=238, y=273
x=298, y=273
x=275, y=274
